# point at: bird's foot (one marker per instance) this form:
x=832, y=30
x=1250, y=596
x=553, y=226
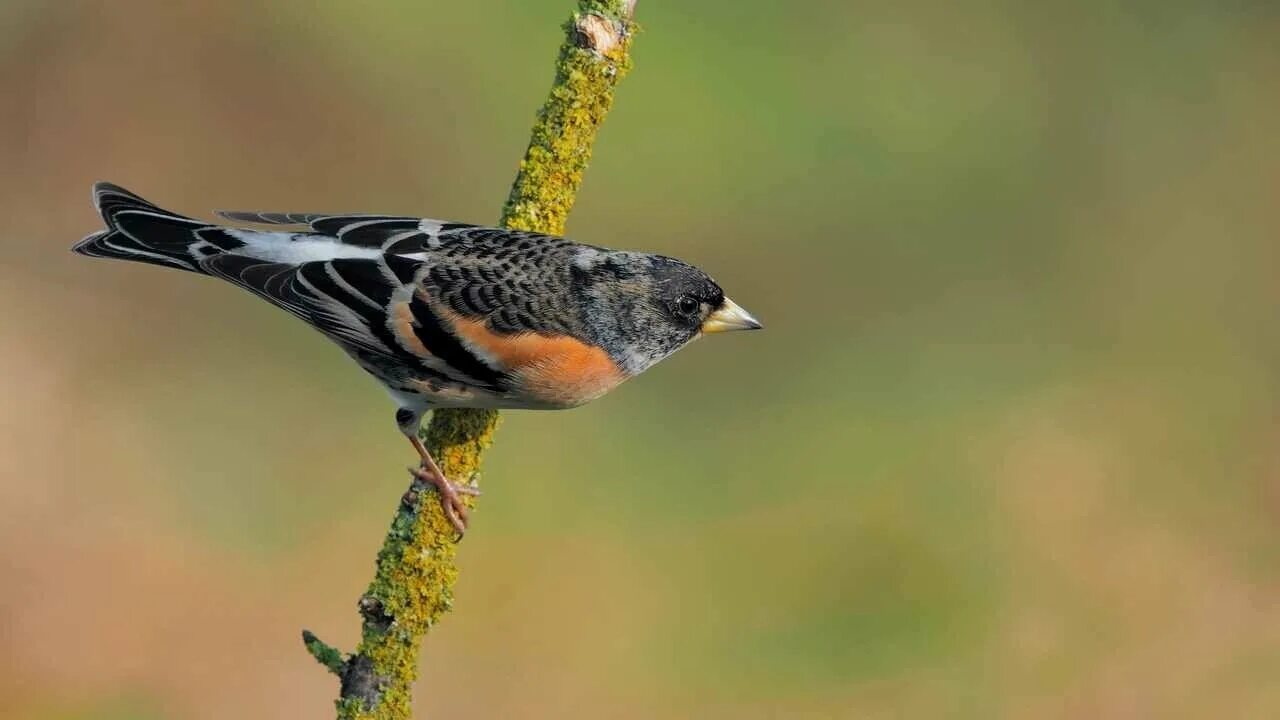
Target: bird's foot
x=450, y=495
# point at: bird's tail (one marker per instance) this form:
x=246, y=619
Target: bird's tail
x=138, y=230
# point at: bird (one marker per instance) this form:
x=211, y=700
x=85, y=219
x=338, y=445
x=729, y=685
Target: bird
x=442, y=314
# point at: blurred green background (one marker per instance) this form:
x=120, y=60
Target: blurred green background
x=1007, y=448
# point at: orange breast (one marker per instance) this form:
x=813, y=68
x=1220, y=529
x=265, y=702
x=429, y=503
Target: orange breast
x=559, y=371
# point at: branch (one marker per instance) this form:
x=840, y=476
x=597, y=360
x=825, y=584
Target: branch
x=413, y=586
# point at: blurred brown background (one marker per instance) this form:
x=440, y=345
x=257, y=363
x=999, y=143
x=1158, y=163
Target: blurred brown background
x=1007, y=448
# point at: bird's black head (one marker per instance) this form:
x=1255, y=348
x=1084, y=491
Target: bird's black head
x=641, y=308
x=685, y=294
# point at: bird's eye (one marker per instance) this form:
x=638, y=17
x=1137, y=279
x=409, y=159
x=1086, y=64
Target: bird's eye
x=687, y=304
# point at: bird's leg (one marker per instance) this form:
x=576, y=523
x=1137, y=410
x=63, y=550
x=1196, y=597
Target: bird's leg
x=450, y=492
x=429, y=472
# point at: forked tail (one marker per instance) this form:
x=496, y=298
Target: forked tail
x=139, y=231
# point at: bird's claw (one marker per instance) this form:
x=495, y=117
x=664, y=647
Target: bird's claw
x=450, y=496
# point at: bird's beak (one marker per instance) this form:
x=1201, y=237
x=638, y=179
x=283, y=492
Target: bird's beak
x=729, y=316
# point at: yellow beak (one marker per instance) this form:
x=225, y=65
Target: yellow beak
x=729, y=316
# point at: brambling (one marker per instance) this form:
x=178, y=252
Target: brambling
x=443, y=314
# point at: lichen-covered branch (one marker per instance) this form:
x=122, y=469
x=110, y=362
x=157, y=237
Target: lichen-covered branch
x=413, y=586
x=593, y=58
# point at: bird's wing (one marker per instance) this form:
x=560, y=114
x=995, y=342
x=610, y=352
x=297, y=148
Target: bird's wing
x=515, y=281
x=374, y=307
x=393, y=234
x=456, y=298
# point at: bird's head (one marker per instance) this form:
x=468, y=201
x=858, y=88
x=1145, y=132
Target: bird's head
x=641, y=308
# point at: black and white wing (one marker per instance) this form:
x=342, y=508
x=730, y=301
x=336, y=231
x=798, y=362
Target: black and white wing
x=371, y=306
x=391, y=234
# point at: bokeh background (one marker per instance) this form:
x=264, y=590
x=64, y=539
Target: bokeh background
x=1007, y=448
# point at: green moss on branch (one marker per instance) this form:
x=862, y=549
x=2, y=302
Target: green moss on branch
x=413, y=585
x=325, y=654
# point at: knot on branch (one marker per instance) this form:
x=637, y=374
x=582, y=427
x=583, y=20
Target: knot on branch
x=597, y=33
x=374, y=614
x=360, y=682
